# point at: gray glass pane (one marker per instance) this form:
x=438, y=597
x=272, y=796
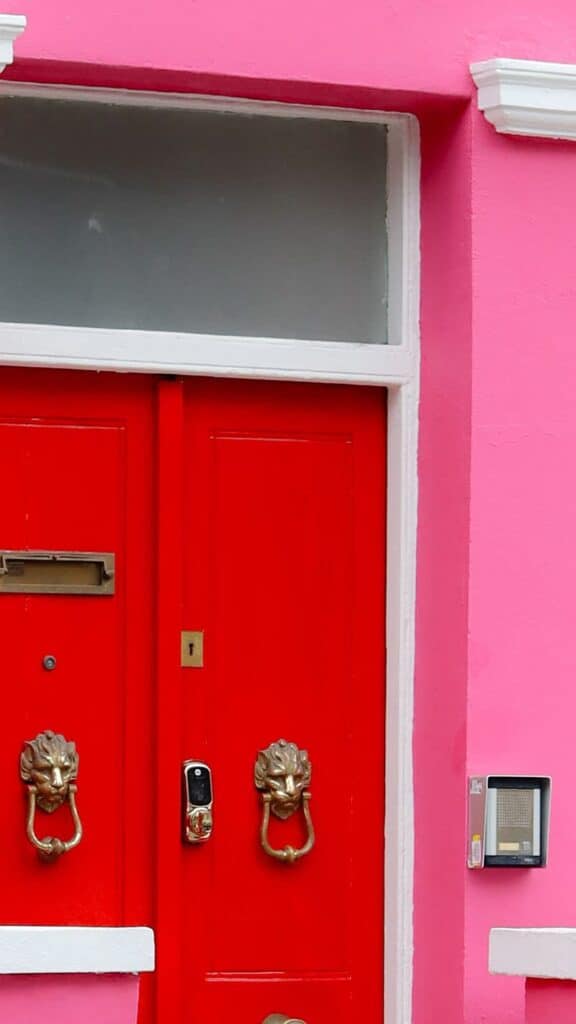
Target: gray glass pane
x=181, y=220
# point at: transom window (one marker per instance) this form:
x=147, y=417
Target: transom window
x=195, y=221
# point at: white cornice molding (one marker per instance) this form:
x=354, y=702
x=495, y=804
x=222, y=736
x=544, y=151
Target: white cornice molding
x=11, y=26
x=527, y=97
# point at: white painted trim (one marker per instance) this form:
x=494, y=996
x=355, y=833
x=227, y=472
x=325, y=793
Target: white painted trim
x=89, y=348
x=11, y=26
x=533, y=952
x=396, y=366
x=400, y=631
x=27, y=950
x=527, y=97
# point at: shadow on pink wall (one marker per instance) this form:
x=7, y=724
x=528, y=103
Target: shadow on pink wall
x=549, y=1001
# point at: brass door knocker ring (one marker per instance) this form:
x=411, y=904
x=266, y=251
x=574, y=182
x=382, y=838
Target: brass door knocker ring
x=49, y=767
x=283, y=773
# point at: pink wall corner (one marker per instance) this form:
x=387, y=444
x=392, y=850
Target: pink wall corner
x=443, y=543
x=550, y=1001
x=69, y=999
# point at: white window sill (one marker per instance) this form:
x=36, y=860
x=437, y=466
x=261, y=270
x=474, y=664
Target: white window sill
x=27, y=950
x=534, y=952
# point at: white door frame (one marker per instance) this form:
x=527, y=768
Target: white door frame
x=394, y=365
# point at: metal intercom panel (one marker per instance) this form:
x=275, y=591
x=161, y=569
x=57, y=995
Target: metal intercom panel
x=508, y=820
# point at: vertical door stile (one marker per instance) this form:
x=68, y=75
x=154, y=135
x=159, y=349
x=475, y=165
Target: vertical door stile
x=169, y=519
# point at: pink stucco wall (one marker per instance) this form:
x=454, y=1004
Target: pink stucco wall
x=523, y=549
x=496, y=644
x=400, y=44
x=69, y=999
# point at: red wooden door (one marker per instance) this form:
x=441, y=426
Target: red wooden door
x=253, y=512
x=283, y=557
x=76, y=478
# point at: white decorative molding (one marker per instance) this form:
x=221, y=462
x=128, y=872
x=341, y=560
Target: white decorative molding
x=11, y=26
x=44, y=950
x=533, y=952
x=527, y=97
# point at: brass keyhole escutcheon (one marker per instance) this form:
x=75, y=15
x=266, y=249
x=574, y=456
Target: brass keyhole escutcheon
x=192, y=648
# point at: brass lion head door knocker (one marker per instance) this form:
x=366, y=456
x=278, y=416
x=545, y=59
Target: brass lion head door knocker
x=283, y=773
x=49, y=767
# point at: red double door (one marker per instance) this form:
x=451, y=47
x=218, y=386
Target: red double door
x=254, y=514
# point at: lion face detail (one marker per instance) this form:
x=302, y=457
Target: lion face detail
x=50, y=764
x=285, y=772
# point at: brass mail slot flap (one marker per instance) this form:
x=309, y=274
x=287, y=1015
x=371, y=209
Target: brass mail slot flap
x=56, y=572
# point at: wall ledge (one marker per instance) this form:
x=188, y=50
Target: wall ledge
x=534, y=952
x=44, y=950
x=527, y=97
x=11, y=26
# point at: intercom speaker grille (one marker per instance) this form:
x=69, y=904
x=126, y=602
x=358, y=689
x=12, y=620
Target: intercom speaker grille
x=514, y=808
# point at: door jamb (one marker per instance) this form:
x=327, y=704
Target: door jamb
x=394, y=366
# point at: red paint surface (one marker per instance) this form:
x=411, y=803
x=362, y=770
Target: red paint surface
x=256, y=513
x=284, y=569
x=550, y=1002
x=68, y=999
x=71, y=449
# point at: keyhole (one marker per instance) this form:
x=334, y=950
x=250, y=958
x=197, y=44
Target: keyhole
x=192, y=648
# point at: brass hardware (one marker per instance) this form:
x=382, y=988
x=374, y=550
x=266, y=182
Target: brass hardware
x=192, y=649
x=281, y=1018
x=49, y=766
x=56, y=572
x=283, y=773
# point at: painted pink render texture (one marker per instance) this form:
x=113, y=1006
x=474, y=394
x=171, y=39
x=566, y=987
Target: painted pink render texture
x=496, y=636
x=69, y=999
